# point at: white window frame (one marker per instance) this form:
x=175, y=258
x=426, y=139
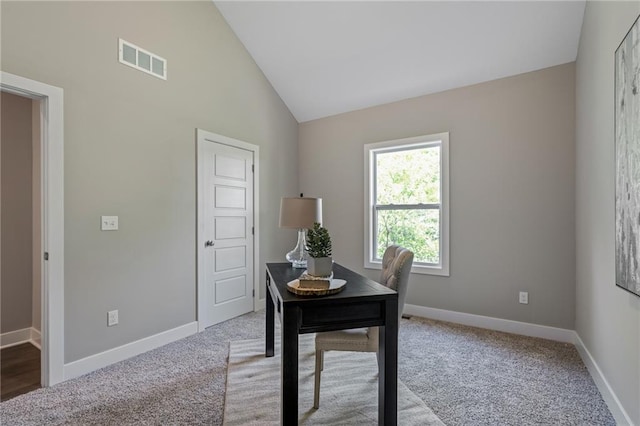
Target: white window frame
x=370, y=150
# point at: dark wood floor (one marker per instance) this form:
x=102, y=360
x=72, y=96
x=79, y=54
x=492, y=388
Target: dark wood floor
x=19, y=370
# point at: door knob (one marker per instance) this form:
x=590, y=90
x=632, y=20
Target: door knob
x=209, y=243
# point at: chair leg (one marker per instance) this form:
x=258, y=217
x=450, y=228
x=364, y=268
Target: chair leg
x=318, y=372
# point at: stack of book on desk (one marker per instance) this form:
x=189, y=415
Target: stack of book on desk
x=313, y=282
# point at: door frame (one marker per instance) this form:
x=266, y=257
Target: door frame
x=202, y=137
x=52, y=218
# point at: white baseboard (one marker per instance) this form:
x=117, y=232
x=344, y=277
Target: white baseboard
x=260, y=304
x=36, y=338
x=498, y=324
x=18, y=337
x=111, y=356
x=619, y=414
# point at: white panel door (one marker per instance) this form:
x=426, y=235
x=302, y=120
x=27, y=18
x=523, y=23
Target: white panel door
x=225, y=249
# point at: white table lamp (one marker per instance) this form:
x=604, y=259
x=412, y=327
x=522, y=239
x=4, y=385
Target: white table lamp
x=300, y=213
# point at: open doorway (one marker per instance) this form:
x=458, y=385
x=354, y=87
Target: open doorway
x=20, y=236
x=48, y=251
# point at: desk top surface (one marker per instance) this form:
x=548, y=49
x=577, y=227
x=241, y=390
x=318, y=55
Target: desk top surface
x=357, y=285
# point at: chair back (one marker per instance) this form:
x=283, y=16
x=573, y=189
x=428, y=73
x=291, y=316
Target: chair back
x=396, y=267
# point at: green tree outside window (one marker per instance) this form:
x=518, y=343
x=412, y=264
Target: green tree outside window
x=408, y=201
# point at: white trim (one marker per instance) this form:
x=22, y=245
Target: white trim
x=52, y=151
x=617, y=410
x=94, y=362
x=498, y=324
x=257, y=305
x=35, y=338
x=442, y=139
x=18, y=337
x=203, y=135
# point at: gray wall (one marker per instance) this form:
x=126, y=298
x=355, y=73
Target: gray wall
x=17, y=285
x=607, y=317
x=130, y=151
x=512, y=191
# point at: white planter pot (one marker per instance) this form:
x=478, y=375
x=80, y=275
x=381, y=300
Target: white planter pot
x=319, y=266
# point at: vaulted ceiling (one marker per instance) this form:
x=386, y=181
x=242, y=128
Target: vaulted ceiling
x=326, y=58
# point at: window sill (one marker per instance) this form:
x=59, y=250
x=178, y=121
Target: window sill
x=415, y=269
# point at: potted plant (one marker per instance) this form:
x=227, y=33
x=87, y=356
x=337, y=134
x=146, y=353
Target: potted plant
x=319, y=263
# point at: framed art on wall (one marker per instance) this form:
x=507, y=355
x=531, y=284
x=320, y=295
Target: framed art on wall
x=627, y=159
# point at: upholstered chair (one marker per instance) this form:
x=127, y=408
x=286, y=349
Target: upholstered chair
x=396, y=266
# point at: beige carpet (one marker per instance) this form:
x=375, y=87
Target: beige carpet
x=348, y=395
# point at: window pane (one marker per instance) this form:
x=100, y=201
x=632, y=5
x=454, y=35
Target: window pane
x=417, y=230
x=409, y=176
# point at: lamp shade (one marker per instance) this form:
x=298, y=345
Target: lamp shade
x=300, y=212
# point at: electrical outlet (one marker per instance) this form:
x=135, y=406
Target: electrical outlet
x=524, y=297
x=112, y=318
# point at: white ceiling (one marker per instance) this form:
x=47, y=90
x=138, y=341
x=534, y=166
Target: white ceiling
x=326, y=58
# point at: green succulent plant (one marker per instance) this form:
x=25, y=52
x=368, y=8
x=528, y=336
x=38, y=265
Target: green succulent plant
x=318, y=241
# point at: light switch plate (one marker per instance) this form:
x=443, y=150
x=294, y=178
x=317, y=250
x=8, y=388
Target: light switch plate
x=109, y=223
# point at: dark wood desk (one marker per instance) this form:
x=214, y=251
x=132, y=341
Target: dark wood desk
x=363, y=303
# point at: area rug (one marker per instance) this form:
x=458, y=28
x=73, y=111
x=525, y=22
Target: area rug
x=348, y=393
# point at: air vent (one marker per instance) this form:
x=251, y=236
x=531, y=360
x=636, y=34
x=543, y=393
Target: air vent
x=140, y=59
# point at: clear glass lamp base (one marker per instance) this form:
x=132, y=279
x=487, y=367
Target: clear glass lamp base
x=298, y=256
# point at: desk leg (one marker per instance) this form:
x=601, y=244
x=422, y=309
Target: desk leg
x=388, y=367
x=270, y=323
x=289, y=368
